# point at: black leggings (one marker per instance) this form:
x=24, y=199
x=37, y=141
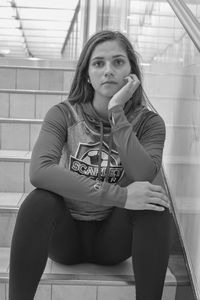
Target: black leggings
x=45, y=228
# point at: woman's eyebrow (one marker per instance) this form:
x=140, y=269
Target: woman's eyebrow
x=114, y=56
x=97, y=57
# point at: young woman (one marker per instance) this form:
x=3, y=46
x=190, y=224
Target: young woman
x=92, y=166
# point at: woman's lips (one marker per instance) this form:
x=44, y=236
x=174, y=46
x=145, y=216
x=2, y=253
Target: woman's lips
x=109, y=82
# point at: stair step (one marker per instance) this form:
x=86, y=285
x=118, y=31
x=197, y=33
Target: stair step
x=19, y=134
x=28, y=104
x=14, y=173
x=9, y=206
x=58, y=78
x=168, y=107
x=10, y=203
x=93, y=282
x=15, y=155
x=41, y=78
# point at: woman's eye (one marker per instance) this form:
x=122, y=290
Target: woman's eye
x=118, y=62
x=98, y=64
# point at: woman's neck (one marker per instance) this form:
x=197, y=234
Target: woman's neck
x=100, y=105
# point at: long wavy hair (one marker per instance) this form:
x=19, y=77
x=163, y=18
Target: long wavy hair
x=81, y=90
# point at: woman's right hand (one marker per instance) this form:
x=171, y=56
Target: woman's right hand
x=143, y=195
x=126, y=92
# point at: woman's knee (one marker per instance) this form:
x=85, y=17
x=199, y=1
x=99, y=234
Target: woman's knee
x=151, y=217
x=41, y=204
x=153, y=225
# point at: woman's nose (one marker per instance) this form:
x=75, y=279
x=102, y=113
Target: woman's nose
x=108, y=70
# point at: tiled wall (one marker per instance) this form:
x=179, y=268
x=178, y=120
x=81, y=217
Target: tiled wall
x=27, y=105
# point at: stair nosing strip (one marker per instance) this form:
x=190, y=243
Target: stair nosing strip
x=173, y=276
x=70, y=69
x=66, y=279
x=8, y=209
x=15, y=159
x=42, y=92
x=21, y=121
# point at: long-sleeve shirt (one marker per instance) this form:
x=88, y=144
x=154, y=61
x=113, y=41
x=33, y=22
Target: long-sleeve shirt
x=70, y=147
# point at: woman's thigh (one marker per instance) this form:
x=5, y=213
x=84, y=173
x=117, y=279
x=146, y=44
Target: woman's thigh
x=44, y=219
x=64, y=245
x=113, y=241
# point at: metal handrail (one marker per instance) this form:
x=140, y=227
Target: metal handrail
x=71, y=27
x=187, y=19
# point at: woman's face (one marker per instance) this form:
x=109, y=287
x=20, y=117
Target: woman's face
x=108, y=66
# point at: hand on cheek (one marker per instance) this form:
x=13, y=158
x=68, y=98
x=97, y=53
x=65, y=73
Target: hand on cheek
x=126, y=92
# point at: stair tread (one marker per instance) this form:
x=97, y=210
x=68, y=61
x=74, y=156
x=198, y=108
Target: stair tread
x=11, y=200
x=118, y=274
x=15, y=155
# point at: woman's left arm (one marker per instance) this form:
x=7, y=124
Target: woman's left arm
x=141, y=158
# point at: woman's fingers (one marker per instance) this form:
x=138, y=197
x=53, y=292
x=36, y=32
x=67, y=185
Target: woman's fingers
x=158, y=201
x=156, y=188
x=133, y=82
x=126, y=92
x=144, y=195
x=158, y=196
x=154, y=207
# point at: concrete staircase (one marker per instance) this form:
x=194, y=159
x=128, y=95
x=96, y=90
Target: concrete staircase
x=26, y=93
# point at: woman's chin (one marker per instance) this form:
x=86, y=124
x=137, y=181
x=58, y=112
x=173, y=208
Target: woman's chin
x=109, y=94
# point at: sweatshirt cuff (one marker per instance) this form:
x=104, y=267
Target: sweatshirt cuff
x=117, y=117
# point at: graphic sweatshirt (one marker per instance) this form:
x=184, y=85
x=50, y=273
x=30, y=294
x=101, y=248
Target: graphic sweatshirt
x=90, y=162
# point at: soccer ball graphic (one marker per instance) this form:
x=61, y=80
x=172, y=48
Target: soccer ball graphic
x=91, y=157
